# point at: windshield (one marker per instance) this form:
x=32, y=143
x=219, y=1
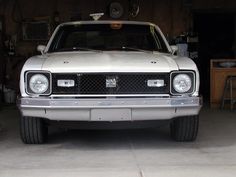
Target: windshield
x=107, y=37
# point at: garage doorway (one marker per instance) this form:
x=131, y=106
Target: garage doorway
x=216, y=33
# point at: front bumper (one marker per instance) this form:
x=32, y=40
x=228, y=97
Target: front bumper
x=109, y=109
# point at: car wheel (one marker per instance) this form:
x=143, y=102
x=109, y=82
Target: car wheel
x=184, y=128
x=33, y=130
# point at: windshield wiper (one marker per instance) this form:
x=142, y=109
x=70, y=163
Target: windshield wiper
x=137, y=49
x=77, y=49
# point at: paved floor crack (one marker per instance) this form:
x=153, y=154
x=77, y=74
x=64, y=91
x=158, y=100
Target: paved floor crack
x=140, y=171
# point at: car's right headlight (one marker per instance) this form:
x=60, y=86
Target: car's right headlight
x=38, y=83
x=182, y=82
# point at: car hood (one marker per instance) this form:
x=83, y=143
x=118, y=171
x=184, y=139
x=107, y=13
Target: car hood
x=90, y=62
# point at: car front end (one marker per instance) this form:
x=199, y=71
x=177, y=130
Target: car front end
x=118, y=82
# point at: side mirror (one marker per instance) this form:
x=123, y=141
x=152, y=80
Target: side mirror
x=174, y=49
x=41, y=48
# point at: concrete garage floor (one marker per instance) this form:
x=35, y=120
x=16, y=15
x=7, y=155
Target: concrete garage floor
x=121, y=153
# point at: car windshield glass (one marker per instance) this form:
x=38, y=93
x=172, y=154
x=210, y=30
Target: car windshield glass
x=77, y=48
x=107, y=37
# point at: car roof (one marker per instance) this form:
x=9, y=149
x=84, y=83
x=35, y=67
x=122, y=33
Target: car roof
x=107, y=22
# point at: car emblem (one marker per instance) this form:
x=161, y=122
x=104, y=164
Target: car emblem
x=111, y=82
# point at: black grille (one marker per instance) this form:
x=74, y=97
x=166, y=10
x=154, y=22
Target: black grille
x=125, y=83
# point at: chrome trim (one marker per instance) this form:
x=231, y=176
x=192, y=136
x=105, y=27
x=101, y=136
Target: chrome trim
x=110, y=95
x=109, y=109
x=66, y=103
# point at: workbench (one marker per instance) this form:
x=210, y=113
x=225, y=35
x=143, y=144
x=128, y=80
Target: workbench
x=218, y=75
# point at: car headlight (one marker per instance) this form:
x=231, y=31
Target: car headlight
x=182, y=83
x=38, y=83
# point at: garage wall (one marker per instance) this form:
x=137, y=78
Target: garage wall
x=170, y=15
x=214, y=4
x=173, y=16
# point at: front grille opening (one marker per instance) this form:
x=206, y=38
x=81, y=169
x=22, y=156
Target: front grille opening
x=111, y=83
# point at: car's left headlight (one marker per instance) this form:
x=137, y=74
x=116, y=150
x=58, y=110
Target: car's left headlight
x=38, y=83
x=182, y=82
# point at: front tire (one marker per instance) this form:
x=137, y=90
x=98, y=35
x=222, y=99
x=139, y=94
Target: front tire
x=184, y=128
x=33, y=130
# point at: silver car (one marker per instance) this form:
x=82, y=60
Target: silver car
x=108, y=72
